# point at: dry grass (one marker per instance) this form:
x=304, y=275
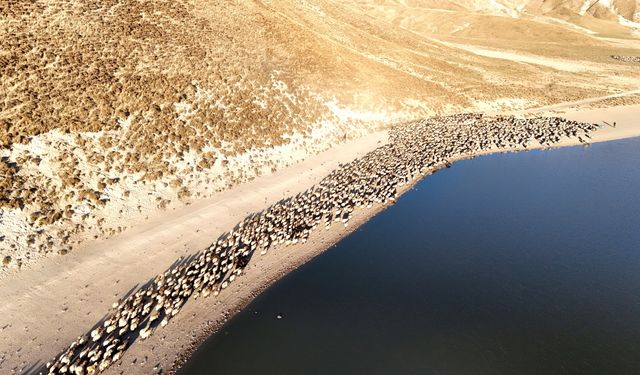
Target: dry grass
x=615, y=102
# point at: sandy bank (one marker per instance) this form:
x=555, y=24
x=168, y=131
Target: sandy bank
x=46, y=308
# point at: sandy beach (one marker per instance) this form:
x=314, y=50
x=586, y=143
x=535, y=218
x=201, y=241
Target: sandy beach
x=47, y=306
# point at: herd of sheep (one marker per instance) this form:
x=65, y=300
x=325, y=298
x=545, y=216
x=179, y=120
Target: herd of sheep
x=623, y=58
x=413, y=151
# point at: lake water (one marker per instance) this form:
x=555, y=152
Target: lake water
x=522, y=263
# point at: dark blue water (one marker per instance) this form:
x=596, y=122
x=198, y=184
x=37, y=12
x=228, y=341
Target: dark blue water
x=506, y=264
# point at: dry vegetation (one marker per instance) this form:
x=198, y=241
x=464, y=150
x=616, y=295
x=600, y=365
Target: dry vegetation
x=112, y=109
x=615, y=102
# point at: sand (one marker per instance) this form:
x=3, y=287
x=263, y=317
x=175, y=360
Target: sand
x=46, y=307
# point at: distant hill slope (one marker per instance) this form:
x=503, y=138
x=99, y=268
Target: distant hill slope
x=112, y=109
x=604, y=9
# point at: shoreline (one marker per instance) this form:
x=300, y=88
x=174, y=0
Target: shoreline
x=182, y=357
x=243, y=302
x=604, y=134
x=270, y=268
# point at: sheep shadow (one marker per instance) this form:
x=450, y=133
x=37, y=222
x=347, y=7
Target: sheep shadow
x=39, y=367
x=131, y=336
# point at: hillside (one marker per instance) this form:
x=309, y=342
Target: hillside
x=115, y=110
x=604, y=9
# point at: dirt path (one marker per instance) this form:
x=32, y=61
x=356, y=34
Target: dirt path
x=569, y=105
x=558, y=64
